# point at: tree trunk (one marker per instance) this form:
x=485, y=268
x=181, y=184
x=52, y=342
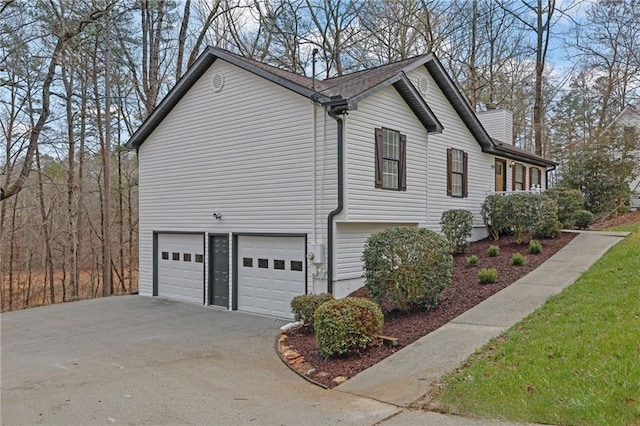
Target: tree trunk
x=45, y=229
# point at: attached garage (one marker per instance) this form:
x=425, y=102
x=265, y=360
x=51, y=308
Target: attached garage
x=271, y=272
x=180, y=261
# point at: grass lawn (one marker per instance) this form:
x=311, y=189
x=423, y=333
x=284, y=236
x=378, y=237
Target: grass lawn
x=575, y=361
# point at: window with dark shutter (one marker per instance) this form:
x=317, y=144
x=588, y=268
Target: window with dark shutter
x=535, y=177
x=457, y=173
x=518, y=181
x=391, y=159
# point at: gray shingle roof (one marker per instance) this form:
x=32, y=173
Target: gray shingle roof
x=347, y=90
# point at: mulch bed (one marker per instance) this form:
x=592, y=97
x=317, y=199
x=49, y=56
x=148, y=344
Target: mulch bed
x=463, y=293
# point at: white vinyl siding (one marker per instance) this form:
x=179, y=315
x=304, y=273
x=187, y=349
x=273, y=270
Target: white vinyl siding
x=350, y=242
x=364, y=202
x=455, y=135
x=499, y=124
x=245, y=152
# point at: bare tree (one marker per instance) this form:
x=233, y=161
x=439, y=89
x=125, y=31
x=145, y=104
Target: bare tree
x=544, y=15
x=608, y=41
x=62, y=34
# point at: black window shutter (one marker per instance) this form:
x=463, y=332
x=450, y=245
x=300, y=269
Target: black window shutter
x=513, y=177
x=378, y=145
x=465, y=175
x=449, y=153
x=524, y=178
x=531, y=171
x=403, y=162
x=539, y=177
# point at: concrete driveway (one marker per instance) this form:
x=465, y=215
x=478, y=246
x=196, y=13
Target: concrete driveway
x=142, y=360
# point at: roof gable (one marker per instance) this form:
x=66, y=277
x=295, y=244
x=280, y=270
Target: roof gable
x=343, y=90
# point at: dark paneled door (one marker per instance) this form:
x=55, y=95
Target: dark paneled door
x=219, y=270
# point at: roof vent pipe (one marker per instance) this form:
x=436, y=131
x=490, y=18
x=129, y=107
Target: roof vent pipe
x=314, y=53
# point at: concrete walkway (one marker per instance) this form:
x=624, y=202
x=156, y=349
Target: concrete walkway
x=406, y=376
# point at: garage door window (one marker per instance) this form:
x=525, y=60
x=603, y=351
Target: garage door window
x=296, y=265
x=278, y=264
x=165, y=255
x=175, y=256
x=186, y=257
x=199, y=258
x=263, y=263
x=247, y=262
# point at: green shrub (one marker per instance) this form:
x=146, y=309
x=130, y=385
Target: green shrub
x=583, y=219
x=488, y=276
x=409, y=267
x=547, y=224
x=493, y=251
x=494, y=215
x=521, y=209
x=523, y=213
x=456, y=227
x=518, y=260
x=304, y=306
x=535, y=247
x=531, y=214
x=347, y=326
x=568, y=200
x=473, y=260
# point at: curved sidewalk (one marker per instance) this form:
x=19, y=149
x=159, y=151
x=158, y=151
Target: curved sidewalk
x=407, y=375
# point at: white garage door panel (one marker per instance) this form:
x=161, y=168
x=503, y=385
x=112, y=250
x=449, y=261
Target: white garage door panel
x=181, y=267
x=268, y=275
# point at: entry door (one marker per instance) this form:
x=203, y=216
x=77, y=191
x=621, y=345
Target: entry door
x=501, y=175
x=219, y=270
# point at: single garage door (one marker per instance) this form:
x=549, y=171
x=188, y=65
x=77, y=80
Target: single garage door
x=271, y=272
x=181, y=267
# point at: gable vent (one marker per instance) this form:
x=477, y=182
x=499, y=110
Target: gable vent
x=217, y=82
x=423, y=85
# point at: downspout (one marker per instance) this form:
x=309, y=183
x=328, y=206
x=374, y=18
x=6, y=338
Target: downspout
x=546, y=180
x=333, y=112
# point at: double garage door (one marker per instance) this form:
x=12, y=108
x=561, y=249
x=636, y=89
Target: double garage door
x=271, y=271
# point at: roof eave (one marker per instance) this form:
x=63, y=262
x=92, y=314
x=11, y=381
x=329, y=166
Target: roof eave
x=199, y=67
x=417, y=104
x=528, y=158
x=459, y=103
x=183, y=85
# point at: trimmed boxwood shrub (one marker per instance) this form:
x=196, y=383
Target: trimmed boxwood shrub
x=488, y=275
x=535, y=247
x=493, y=251
x=305, y=305
x=456, y=228
x=583, y=219
x=518, y=260
x=347, y=326
x=473, y=260
x=569, y=201
x=408, y=267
